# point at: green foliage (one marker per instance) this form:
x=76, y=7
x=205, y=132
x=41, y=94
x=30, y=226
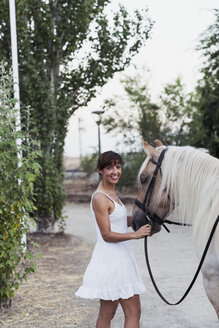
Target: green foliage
x=135, y=115
x=132, y=162
x=147, y=119
x=67, y=50
x=88, y=163
x=181, y=124
x=207, y=88
x=175, y=118
x=16, y=193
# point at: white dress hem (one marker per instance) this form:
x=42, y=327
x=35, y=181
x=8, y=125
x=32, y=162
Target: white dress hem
x=111, y=294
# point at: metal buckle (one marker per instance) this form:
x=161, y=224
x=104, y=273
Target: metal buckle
x=148, y=219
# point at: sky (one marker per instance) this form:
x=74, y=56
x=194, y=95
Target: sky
x=170, y=53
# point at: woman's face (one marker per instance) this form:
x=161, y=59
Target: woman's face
x=111, y=173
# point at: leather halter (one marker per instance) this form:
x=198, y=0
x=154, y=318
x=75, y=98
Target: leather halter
x=149, y=216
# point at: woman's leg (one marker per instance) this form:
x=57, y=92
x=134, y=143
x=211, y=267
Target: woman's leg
x=132, y=310
x=106, y=313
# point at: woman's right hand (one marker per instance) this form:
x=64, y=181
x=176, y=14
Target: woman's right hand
x=145, y=230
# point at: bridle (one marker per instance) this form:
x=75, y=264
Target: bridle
x=144, y=206
x=149, y=216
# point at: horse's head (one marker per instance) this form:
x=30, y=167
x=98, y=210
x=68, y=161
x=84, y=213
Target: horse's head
x=149, y=190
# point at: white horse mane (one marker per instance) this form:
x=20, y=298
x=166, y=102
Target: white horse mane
x=191, y=178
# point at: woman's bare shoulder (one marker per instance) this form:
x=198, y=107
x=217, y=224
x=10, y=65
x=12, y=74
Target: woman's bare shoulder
x=99, y=194
x=99, y=199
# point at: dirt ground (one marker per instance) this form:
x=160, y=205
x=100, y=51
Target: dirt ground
x=46, y=299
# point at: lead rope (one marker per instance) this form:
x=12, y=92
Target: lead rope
x=197, y=271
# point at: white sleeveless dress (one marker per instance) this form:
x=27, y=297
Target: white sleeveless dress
x=112, y=272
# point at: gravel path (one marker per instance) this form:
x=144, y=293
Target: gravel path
x=46, y=299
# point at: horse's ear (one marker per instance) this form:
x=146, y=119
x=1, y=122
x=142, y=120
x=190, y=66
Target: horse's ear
x=149, y=150
x=158, y=143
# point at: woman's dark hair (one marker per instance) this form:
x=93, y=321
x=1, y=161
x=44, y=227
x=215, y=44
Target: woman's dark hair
x=108, y=158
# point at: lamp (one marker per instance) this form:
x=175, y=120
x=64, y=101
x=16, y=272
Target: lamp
x=98, y=112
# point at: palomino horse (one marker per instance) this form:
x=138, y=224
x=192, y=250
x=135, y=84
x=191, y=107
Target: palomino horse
x=189, y=180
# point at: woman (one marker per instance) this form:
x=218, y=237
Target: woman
x=112, y=275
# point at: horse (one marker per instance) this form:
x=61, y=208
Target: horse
x=187, y=180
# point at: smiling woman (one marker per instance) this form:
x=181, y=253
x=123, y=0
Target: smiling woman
x=109, y=165
x=112, y=274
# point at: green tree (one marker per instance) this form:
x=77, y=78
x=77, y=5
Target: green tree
x=208, y=87
x=16, y=193
x=67, y=50
x=132, y=162
x=134, y=115
x=181, y=122
x=175, y=118
x=89, y=162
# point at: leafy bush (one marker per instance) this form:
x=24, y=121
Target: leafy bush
x=89, y=162
x=131, y=164
x=17, y=175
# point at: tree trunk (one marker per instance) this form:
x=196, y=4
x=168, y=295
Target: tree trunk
x=5, y=303
x=45, y=225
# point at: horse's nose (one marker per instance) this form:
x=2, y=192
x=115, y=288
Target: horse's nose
x=133, y=220
x=137, y=219
x=133, y=225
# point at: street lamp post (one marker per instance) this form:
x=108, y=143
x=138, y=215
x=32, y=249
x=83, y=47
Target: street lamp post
x=98, y=112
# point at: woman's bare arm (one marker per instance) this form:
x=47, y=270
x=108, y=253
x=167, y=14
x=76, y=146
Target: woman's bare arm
x=129, y=221
x=101, y=208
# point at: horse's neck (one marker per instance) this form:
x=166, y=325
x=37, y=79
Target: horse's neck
x=194, y=183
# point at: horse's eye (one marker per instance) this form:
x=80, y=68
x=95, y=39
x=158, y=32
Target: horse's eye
x=143, y=179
